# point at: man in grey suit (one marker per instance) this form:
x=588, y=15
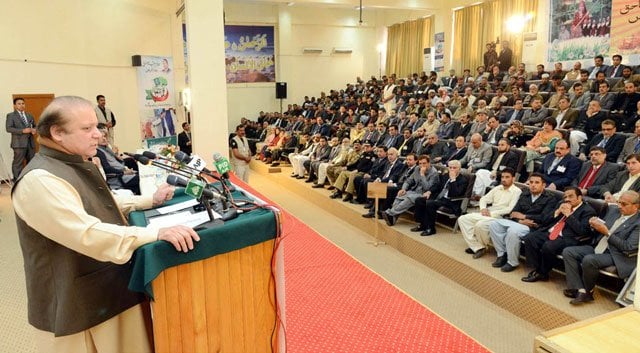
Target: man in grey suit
x=617, y=247
x=21, y=126
x=595, y=173
x=478, y=155
x=626, y=180
x=536, y=115
x=631, y=145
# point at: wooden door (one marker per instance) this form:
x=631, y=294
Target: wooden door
x=35, y=104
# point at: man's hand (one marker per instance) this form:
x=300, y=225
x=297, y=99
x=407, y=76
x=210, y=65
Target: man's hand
x=598, y=226
x=26, y=130
x=527, y=222
x=485, y=212
x=608, y=197
x=517, y=215
x=427, y=194
x=402, y=192
x=181, y=237
x=552, y=186
x=164, y=193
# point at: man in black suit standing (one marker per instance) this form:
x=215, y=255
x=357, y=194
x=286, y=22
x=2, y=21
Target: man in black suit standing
x=618, y=246
x=570, y=228
x=184, y=138
x=21, y=126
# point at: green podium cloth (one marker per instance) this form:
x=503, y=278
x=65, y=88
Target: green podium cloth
x=247, y=229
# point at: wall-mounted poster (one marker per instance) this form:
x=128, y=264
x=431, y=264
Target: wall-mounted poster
x=439, y=52
x=156, y=97
x=581, y=29
x=249, y=54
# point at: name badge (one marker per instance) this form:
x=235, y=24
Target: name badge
x=562, y=169
x=476, y=160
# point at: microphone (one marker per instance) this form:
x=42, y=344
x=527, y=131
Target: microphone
x=206, y=192
x=193, y=162
x=146, y=161
x=222, y=165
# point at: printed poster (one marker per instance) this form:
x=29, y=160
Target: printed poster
x=439, y=52
x=156, y=97
x=249, y=54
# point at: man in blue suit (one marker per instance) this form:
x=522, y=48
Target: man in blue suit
x=561, y=167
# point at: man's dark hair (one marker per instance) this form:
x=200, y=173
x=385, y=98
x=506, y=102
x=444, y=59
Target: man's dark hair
x=537, y=175
x=15, y=100
x=98, y=97
x=508, y=170
x=575, y=189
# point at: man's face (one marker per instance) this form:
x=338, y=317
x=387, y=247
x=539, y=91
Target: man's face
x=381, y=153
x=371, y=127
x=420, y=133
x=518, y=105
x=423, y=163
x=406, y=134
x=558, y=66
x=240, y=132
x=102, y=101
x=533, y=89
x=334, y=141
x=431, y=117
x=464, y=119
x=602, y=88
x=80, y=135
x=608, y=130
x=104, y=138
x=563, y=104
x=381, y=129
x=323, y=142
x=633, y=166
x=536, y=185
x=616, y=61
x=503, y=146
x=357, y=147
x=597, y=157
x=476, y=141
x=481, y=117
x=432, y=140
x=536, y=104
x=392, y=155
x=560, y=90
x=627, y=207
x=572, y=198
x=19, y=106
x=578, y=90
x=598, y=61
x=629, y=88
x=410, y=160
x=506, y=179
x=460, y=143
x=577, y=66
x=626, y=72
x=493, y=123
x=392, y=130
x=584, y=77
x=561, y=149
x=594, y=106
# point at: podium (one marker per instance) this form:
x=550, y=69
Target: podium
x=219, y=297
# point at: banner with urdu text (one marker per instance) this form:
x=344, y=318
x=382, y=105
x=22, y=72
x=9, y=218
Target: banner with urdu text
x=579, y=30
x=249, y=54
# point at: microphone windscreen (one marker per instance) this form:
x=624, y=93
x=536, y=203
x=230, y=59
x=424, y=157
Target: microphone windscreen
x=149, y=154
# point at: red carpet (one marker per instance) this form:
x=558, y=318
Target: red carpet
x=335, y=304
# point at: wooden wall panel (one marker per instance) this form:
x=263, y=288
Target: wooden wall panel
x=221, y=304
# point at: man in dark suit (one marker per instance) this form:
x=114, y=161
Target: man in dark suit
x=505, y=57
x=435, y=148
x=184, y=138
x=631, y=145
x=626, y=102
x=615, y=70
x=514, y=114
x=595, y=173
x=462, y=127
x=625, y=180
x=453, y=185
x=561, y=167
x=565, y=115
x=410, y=162
x=598, y=67
x=21, y=126
x=391, y=173
x=569, y=227
x=503, y=158
x=618, y=246
x=493, y=132
x=607, y=139
x=457, y=152
x=377, y=169
x=407, y=143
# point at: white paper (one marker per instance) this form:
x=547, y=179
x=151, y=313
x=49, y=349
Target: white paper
x=177, y=207
x=185, y=218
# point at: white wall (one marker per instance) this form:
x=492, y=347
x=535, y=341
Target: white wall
x=299, y=27
x=84, y=48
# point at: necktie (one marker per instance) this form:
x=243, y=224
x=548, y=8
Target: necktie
x=557, y=229
x=587, y=181
x=445, y=191
x=603, y=142
x=613, y=72
x=24, y=119
x=386, y=175
x=637, y=147
x=603, y=243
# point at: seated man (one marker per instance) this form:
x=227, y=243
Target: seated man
x=587, y=126
x=345, y=181
x=505, y=158
x=392, y=188
x=618, y=246
x=118, y=175
x=319, y=155
x=607, y=139
x=631, y=144
x=457, y=152
x=337, y=155
x=561, y=167
x=346, y=164
x=376, y=170
x=391, y=173
x=595, y=173
x=422, y=182
x=475, y=226
x=478, y=154
x=454, y=185
x=625, y=180
x=529, y=213
x=298, y=159
x=435, y=148
x=570, y=228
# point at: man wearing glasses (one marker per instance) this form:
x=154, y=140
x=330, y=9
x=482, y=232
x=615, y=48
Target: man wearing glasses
x=607, y=139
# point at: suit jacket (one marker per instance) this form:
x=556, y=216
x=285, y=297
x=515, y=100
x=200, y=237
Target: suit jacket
x=182, y=143
x=616, y=184
x=613, y=147
x=438, y=150
x=631, y=101
x=623, y=245
x=535, y=118
x=576, y=228
x=606, y=101
x=422, y=183
x=499, y=132
x=504, y=58
x=605, y=174
x=618, y=72
x=509, y=160
x=590, y=125
x=538, y=211
x=15, y=125
x=378, y=168
x=407, y=146
x=477, y=158
x=509, y=114
x=454, y=154
x=459, y=130
x=395, y=171
x=563, y=173
x=457, y=189
x=628, y=148
x=568, y=120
